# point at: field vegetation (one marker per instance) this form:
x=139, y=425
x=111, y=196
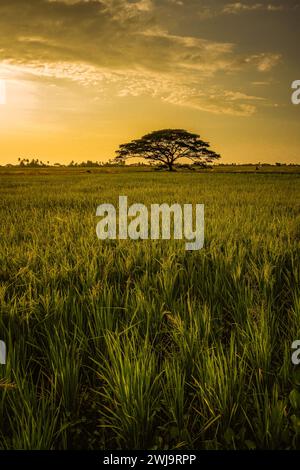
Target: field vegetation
x=141, y=344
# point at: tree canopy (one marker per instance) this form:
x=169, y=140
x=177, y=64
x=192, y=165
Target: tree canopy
x=166, y=147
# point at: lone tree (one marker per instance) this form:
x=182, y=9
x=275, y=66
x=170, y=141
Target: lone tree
x=167, y=146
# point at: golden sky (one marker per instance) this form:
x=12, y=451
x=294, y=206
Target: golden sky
x=83, y=77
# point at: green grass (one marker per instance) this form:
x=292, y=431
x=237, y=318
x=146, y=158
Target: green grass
x=140, y=344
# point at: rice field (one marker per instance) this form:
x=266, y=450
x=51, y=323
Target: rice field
x=141, y=344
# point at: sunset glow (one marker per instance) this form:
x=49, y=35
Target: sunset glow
x=84, y=76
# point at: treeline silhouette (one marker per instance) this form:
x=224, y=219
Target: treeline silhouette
x=36, y=163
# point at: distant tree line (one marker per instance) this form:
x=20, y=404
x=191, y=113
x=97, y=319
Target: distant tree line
x=91, y=164
x=33, y=163
x=37, y=163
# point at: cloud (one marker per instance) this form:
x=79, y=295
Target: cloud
x=264, y=62
x=128, y=83
x=240, y=7
x=218, y=101
x=123, y=48
x=261, y=83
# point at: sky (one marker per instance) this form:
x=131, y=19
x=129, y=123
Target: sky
x=82, y=77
